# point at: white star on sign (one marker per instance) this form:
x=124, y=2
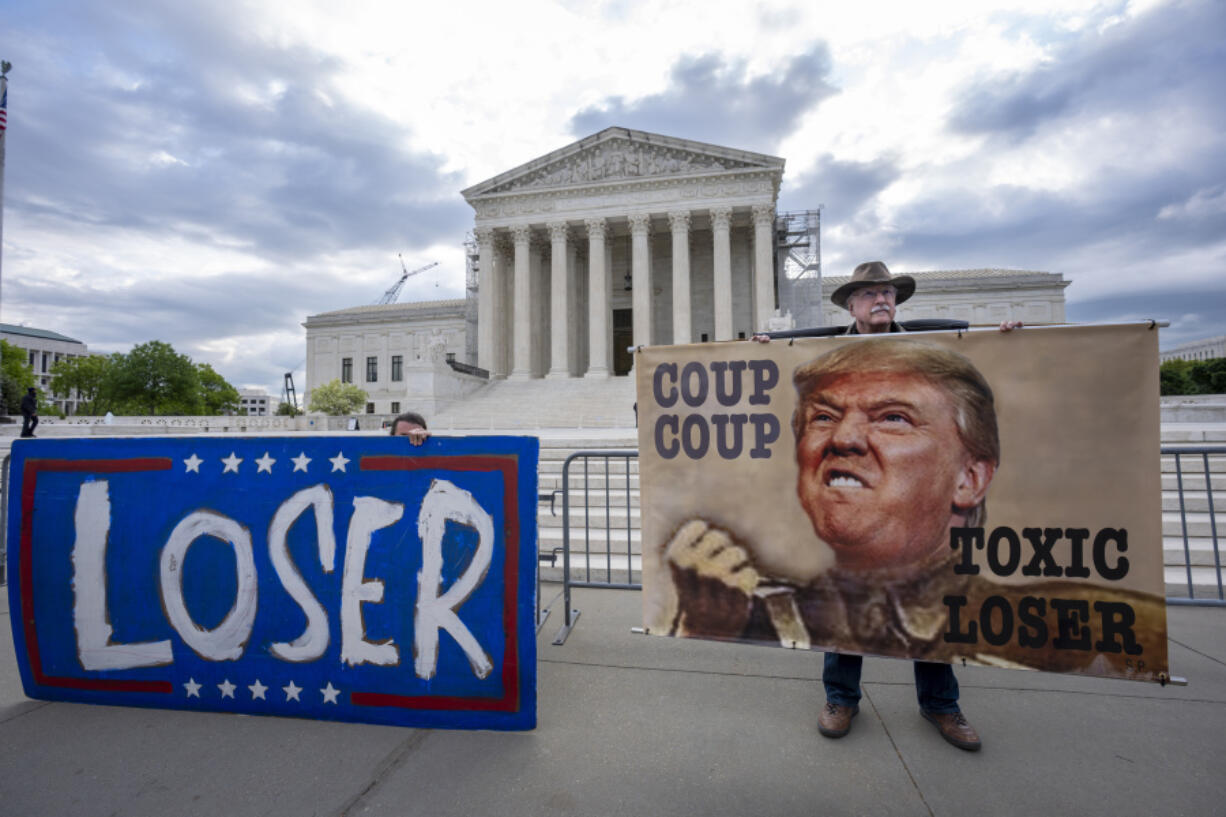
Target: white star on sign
x=339, y=461
x=301, y=461
x=193, y=689
x=265, y=462
x=231, y=463
x=257, y=690
x=192, y=463
x=227, y=688
x=330, y=693
x=291, y=692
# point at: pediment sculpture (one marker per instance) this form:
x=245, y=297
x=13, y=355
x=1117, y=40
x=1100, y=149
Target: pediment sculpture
x=619, y=159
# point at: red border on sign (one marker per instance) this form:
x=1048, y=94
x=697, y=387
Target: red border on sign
x=508, y=466
x=28, y=484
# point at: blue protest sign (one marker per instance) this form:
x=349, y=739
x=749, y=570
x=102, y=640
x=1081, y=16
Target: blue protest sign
x=344, y=578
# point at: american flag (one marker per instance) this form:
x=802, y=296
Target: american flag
x=4, y=103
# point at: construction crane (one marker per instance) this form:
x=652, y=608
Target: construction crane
x=393, y=292
x=288, y=396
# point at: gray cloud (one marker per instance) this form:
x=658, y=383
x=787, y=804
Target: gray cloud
x=842, y=187
x=709, y=99
x=172, y=124
x=175, y=141
x=1191, y=317
x=1159, y=217
x=1173, y=54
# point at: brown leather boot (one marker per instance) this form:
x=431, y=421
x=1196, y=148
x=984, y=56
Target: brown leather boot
x=954, y=727
x=835, y=720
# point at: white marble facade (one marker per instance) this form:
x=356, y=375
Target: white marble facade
x=386, y=349
x=626, y=238
x=621, y=239
x=1205, y=349
x=43, y=349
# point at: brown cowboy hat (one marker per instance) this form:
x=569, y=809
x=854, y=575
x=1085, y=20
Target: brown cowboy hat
x=871, y=273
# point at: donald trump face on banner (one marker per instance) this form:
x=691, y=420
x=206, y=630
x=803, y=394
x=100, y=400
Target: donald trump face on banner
x=896, y=442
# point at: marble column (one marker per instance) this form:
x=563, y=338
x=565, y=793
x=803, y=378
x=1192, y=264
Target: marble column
x=597, y=299
x=521, y=361
x=721, y=236
x=576, y=308
x=541, y=309
x=559, y=298
x=763, y=267
x=640, y=277
x=683, y=331
x=504, y=296
x=486, y=300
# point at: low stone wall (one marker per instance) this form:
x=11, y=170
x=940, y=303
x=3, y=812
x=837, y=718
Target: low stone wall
x=100, y=426
x=1198, y=409
x=1194, y=408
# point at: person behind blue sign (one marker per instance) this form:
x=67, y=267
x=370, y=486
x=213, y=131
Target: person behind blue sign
x=411, y=425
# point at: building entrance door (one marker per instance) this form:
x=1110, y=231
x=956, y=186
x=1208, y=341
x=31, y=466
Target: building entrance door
x=623, y=336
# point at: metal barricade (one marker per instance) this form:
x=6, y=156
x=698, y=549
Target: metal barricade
x=611, y=551
x=1196, y=557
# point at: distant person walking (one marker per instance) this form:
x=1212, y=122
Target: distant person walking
x=29, y=413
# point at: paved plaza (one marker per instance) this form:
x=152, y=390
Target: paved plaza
x=636, y=724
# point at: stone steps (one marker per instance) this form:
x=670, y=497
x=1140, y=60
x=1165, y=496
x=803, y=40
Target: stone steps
x=1204, y=582
x=1199, y=553
x=616, y=568
x=565, y=403
x=1198, y=524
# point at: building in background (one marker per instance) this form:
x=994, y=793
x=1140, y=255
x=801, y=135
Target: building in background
x=624, y=238
x=620, y=239
x=392, y=351
x=1196, y=350
x=254, y=402
x=43, y=349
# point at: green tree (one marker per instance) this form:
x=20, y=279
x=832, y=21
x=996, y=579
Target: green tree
x=15, y=376
x=216, y=395
x=337, y=398
x=1208, y=376
x=1173, y=377
x=88, y=375
x=155, y=379
x=284, y=409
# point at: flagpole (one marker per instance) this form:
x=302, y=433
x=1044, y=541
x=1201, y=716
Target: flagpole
x=5, y=67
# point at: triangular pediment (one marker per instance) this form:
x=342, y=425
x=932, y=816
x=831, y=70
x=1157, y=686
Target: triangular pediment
x=618, y=155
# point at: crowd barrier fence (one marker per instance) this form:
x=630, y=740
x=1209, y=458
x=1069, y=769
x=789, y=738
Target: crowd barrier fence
x=605, y=562
x=1182, y=454
x=611, y=578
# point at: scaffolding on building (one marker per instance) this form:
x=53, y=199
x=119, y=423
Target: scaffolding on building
x=472, y=262
x=798, y=266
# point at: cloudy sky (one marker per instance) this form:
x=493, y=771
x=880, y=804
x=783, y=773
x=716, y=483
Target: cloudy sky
x=209, y=174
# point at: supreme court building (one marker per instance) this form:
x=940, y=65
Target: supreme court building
x=621, y=239
x=625, y=238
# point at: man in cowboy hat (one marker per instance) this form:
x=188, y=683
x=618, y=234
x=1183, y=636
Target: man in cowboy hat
x=871, y=296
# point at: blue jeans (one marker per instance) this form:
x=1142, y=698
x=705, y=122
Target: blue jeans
x=935, y=684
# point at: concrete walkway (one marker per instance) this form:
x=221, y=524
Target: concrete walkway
x=642, y=725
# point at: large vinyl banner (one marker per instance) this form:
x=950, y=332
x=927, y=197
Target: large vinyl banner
x=350, y=578
x=979, y=497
